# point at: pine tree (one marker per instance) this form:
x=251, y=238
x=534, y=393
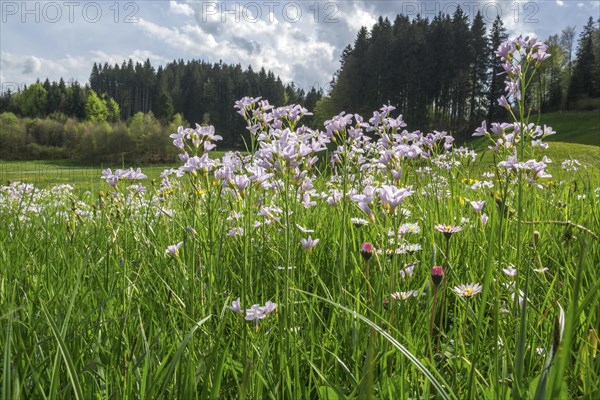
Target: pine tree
x=164, y=108
x=478, y=52
x=76, y=100
x=581, y=85
x=497, y=36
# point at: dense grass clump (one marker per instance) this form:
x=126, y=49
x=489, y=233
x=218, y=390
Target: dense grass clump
x=359, y=261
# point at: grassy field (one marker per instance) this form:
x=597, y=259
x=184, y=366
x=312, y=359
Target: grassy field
x=55, y=172
x=577, y=137
x=382, y=275
x=581, y=127
x=47, y=173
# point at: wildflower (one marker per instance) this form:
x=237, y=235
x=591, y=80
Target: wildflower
x=282, y=268
x=137, y=189
x=109, y=177
x=235, y=232
x=408, y=270
x=134, y=175
x=309, y=243
x=447, y=230
x=391, y=196
x=404, y=295
x=269, y=307
x=484, y=219
x=409, y=228
x=386, y=303
x=359, y=221
x=255, y=313
x=437, y=274
x=502, y=102
x=235, y=306
x=408, y=248
x=510, y=271
x=365, y=199
x=178, y=138
x=541, y=270
x=540, y=351
x=366, y=251
x=481, y=131
x=478, y=205
x=467, y=290
x=520, y=299
x=173, y=249
x=570, y=165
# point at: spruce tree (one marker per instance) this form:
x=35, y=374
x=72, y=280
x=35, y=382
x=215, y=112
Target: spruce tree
x=581, y=85
x=497, y=36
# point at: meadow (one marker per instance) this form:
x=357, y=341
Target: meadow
x=358, y=261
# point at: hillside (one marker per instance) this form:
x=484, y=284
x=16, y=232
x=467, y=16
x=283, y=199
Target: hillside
x=582, y=127
x=577, y=137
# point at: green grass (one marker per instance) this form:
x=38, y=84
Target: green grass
x=48, y=173
x=582, y=127
x=55, y=172
x=93, y=306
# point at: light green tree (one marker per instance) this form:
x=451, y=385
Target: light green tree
x=95, y=108
x=114, y=111
x=32, y=102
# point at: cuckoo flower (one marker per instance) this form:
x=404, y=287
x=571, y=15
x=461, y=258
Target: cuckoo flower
x=391, y=196
x=309, y=243
x=173, y=249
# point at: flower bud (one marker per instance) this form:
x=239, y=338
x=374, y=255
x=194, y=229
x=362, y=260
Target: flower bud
x=366, y=251
x=437, y=274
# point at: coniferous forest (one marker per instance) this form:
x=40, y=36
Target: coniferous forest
x=438, y=73
x=444, y=74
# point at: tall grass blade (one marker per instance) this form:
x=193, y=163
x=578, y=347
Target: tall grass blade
x=66, y=356
x=559, y=330
x=7, y=363
x=572, y=319
x=441, y=391
x=175, y=361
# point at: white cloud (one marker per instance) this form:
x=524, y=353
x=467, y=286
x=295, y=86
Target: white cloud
x=180, y=8
x=32, y=66
x=26, y=69
x=284, y=48
x=360, y=17
x=560, y=3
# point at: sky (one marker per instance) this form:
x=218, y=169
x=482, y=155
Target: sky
x=300, y=41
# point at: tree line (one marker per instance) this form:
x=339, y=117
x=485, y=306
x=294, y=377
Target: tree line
x=102, y=121
x=443, y=73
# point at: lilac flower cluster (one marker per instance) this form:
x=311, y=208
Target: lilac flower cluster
x=27, y=202
x=518, y=56
x=508, y=135
x=532, y=170
x=121, y=174
x=521, y=58
x=254, y=313
x=199, y=140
